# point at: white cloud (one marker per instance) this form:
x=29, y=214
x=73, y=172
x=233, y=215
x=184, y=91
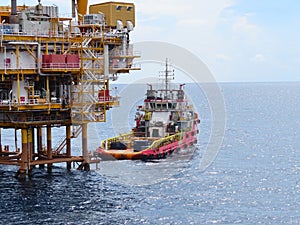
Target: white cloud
x=163, y=7
x=193, y=11
x=148, y=19
x=245, y=30
x=258, y=58
x=191, y=25
x=145, y=33
x=191, y=22
x=223, y=57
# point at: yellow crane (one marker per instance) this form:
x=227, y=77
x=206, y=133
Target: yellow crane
x=81, y=8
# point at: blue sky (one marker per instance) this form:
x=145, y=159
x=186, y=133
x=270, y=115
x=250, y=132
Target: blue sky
x=239, y=40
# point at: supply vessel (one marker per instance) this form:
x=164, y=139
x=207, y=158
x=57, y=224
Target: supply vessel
x=165, y=123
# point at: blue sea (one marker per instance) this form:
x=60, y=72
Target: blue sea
x=254, y=178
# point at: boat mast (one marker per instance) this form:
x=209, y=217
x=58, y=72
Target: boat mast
x=166, y=77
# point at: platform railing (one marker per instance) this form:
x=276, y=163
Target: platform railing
x=33, y=101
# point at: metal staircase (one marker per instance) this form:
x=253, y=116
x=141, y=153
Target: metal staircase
x=63, y=141
x=86, y=106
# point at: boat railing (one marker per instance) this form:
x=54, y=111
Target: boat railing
x=163, y=141
x=105, y=144
x=122, y=137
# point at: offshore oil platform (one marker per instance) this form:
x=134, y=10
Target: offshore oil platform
x=56, y=72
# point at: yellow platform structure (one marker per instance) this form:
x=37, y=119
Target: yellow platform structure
x=56, y=72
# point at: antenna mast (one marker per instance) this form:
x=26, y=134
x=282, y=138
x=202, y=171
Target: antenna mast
x=166, y=76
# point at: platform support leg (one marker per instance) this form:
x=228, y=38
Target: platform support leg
x=68, y=142
x=24, y=157
x=84, y=142
x=85, y=153
x=29, y=141
x=49, y=148
x=0, y=140
x=33, y=143
x=39, y=141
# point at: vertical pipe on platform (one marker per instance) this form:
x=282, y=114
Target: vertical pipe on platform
x=18, y=56
x=49, y=148
x=18, y=89
x=73, y=8
x=54, y=47
x=85, y=153
x=46, y=52
x=106, y=61
x=47, y=91
x=13, y=7
x=24, y=156
x=68, y=142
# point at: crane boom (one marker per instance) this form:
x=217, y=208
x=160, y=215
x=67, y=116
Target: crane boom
x=81, y=8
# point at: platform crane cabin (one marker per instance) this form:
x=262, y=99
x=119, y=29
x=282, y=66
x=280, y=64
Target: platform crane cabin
x=55, y=72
